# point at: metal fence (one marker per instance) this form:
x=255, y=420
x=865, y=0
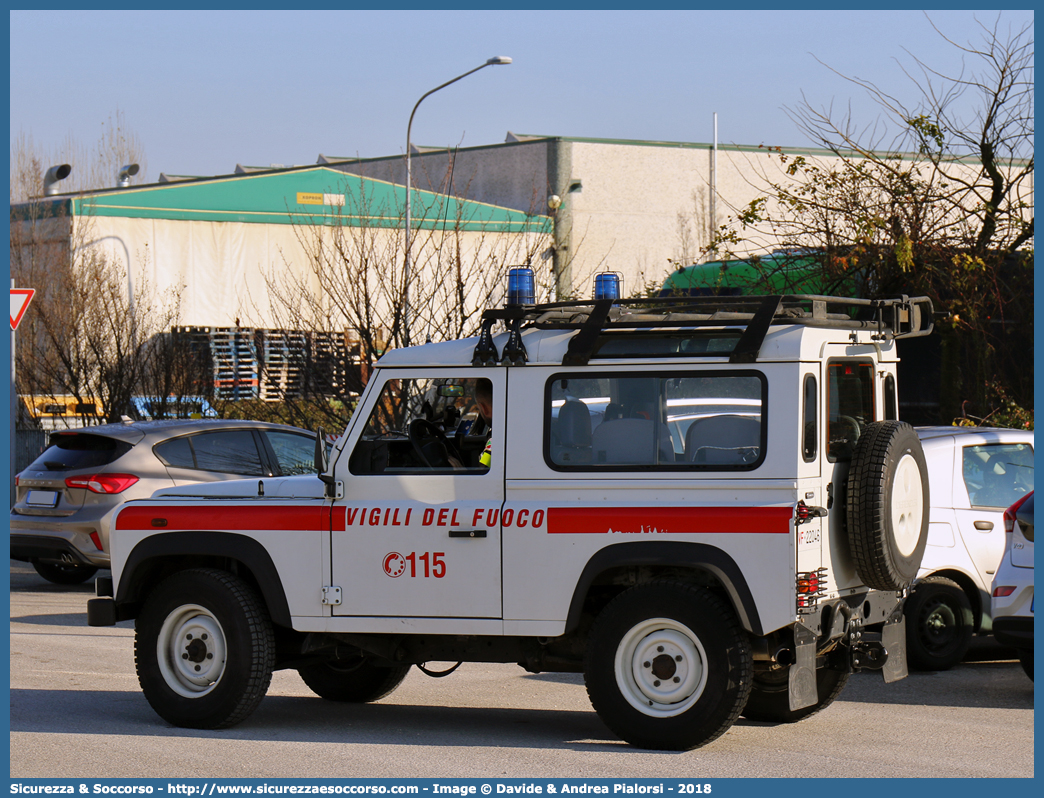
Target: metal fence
x=28, y=444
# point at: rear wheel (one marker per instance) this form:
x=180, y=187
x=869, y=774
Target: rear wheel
x=668, y=666
x=64, y=573
x=939, y=624
x=770, y=695
x=355, y=680
x=204, y=649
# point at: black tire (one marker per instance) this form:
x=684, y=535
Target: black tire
x=939, y=624
x=887, y=505
x=352, y=680
x=1026, y=660
x=668, y=666
x=770, y=695
x=64, y=573
x=204, y=649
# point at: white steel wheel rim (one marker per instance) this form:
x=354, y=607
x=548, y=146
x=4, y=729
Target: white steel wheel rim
x=661, y=667
x=907, y=505
x=191, y=651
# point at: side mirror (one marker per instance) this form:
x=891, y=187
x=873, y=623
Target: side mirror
x=322, y=464
x=322, y=461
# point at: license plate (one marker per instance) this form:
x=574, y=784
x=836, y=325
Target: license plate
x=42, y=498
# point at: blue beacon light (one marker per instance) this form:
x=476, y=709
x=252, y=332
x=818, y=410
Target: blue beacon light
x=521, y=290
x=607, y=285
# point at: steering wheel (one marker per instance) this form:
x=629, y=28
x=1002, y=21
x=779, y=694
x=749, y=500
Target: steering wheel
x=430, y=443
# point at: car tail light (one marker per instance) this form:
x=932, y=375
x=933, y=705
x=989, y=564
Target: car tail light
x=1009, y=516
x=102, y=483
x=1001, y=592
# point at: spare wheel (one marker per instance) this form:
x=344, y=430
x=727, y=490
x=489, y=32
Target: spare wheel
x=887, y=505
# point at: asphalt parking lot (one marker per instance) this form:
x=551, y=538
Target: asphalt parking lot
x=76, y=711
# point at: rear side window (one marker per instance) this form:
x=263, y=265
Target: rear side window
x=228, y=452
x=997, y=474
x=810, y=425
x=73, y=452
x=850, y=398
x=660, y=421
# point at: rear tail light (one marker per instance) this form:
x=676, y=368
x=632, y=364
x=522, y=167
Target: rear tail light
x=1001, y=592
x=102, y=483
x=1009, y=516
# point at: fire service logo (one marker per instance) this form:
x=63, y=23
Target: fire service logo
x=394, y=564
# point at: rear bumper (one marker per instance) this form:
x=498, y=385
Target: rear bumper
x=50, y=548
x=1014, y=630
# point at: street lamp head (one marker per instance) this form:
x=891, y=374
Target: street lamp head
x=499, y=59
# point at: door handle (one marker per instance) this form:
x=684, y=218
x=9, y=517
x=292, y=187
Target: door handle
x=467, y=533
x=984, y=526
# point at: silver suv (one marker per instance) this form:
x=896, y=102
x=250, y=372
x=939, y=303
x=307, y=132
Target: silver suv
x=66, y=497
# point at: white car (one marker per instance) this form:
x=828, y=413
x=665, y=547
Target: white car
x=974, y=473
x=1012, y=596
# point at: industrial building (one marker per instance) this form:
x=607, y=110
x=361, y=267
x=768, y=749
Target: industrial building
x=230, y=252
x=641, y=208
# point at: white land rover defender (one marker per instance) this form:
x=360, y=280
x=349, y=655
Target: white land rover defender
x=707, y=506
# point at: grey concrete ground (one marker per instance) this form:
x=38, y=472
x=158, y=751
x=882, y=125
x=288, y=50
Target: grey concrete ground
x=76, y=711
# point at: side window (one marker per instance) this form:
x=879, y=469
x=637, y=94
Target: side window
x=850, y=402
x=426, y=426
x=810, y=426
x=294, y=453
x=230, y=452
x=998, y=474
x=706, y=421
x=176, y=453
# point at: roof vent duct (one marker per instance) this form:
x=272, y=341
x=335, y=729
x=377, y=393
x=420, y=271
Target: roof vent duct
x=52, y=176
x=126, y=173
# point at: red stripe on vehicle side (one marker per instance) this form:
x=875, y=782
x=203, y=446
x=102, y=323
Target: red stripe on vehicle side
x=668, y=520
x=235, y=517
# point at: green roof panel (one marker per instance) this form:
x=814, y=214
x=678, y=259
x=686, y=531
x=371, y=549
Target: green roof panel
x=310, y=196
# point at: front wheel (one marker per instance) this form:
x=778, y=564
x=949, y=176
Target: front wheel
x=204, y=649
x=668, y=666
x=939, y=624
x=355, y=680
x=770, y=695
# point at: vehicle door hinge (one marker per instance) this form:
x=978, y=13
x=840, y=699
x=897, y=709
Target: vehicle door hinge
x=331, y=596
x=334, y=487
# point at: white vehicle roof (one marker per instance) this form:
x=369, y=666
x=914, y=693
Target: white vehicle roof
x=942, y=436
x=767, y=328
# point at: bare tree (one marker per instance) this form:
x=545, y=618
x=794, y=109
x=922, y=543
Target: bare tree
x=354, y=288
x=95, y=331
x=930, y=199
x=87, y=334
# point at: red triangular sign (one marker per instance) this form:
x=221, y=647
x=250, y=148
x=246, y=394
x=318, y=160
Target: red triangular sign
x=20, y=299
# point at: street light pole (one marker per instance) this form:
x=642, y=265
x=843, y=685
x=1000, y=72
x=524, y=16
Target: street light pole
x=496, y=60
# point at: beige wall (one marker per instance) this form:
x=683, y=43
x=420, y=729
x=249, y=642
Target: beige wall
x=222, y=272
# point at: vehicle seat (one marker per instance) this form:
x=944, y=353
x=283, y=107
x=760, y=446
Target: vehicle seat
x=574, y=433
x=723, y=440
x=631, y=441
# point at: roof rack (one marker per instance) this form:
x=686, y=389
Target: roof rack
x=890, y=318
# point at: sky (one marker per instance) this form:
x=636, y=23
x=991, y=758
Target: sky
x=206, y=90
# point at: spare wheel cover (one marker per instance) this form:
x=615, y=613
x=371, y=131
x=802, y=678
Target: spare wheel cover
x=887, y=505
